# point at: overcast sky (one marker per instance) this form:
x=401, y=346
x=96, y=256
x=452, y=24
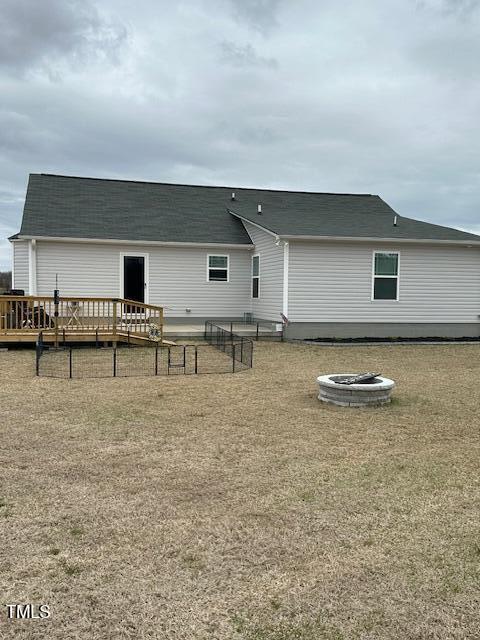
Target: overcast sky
x=371, y=96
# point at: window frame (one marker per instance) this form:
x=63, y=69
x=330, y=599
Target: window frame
x=252, y=277
x=218, y=255
x=372, y=295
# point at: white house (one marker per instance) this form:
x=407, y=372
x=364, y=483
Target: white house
x=335, y=265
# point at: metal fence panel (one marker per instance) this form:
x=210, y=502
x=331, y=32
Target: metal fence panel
x=239, y=348
x=221, y=356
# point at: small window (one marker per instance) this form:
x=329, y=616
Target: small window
x=218, y=268
x=385, y=276
x=255, y=276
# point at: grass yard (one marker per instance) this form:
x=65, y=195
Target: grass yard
x=239, y=507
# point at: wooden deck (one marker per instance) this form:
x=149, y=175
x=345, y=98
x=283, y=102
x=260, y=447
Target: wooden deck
x=75, y=319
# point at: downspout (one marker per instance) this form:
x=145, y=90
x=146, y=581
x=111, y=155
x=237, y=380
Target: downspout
x=285, y=278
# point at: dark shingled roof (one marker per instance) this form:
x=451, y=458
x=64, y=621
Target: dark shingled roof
x=62, y=206
x=68, y=207
x=336, y=215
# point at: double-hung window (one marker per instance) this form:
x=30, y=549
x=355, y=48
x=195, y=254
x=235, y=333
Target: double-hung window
x=217, y=269
x=385, y=275
x=255, y=276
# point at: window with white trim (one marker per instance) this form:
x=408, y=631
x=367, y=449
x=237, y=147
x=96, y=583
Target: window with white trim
x=217, y=270
x=385, y=275
x=255, y=276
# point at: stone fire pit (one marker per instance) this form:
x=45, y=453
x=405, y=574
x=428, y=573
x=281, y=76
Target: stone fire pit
x=339, y=389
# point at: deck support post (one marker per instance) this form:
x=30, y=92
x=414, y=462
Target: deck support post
x=56, y=303
x=161, y=324
x=115, y=319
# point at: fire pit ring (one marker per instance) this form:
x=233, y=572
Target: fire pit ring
x=373, y=392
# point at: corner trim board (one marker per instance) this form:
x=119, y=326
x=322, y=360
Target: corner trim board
x=32, y=267
x=13, y=266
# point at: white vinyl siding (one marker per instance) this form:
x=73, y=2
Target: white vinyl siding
x=269, y=304
x=176, y=276
x=332, y=282
x=20, y=266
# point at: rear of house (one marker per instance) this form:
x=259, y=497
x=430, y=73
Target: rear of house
x=383, y=289
x=335, y=265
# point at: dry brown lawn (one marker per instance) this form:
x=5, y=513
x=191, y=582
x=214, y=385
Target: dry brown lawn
x=239, y=507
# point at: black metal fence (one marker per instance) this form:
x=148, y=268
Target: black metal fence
x=255, y=329
x=126, y=361
x=239, y=348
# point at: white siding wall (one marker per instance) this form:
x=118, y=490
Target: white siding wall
x=270, y=303
x=20, y=266
x=177, y=276
x=331, y=282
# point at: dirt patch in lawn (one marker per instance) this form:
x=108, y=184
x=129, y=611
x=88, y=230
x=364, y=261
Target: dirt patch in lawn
x=238, y=506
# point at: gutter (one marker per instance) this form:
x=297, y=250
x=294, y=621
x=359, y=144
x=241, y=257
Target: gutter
x=467, y=243
x=154, y=243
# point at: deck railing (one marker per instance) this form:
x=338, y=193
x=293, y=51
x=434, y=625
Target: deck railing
x=24, y=314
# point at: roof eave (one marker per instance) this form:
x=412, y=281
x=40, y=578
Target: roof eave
x=156, y=243
x=289, y=237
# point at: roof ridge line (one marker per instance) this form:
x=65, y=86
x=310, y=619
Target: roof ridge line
x=206, y=186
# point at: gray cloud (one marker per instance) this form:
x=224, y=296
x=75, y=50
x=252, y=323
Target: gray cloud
x=260, y=15
x=244, y=56
x=42, y=35
x=463, y=8
x=322, y=97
